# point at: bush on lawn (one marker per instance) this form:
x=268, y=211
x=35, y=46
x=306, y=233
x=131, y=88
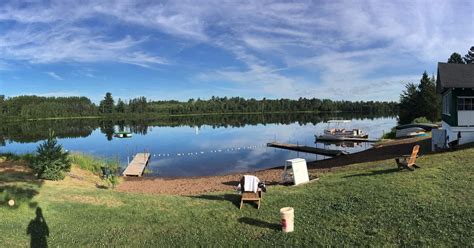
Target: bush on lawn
x=51, y=161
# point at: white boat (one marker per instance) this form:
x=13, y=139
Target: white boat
x=410, y=132
x=341, y=134
x=123, y=134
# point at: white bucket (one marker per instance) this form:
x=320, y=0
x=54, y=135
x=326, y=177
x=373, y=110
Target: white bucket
x=287, y=219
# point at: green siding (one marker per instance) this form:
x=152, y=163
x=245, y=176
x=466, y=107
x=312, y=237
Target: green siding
x=452, y=119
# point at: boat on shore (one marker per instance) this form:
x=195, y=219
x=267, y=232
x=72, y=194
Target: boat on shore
x=123, y=134
x=341, y=134
x=424, y=126
x=414, y=130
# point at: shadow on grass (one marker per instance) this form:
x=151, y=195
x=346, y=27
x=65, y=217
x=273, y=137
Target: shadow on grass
x=231, y=183
x=38, y=230
x=100, y=186
x=259, y=223
x=234, y=198
x=374, y=173
x=18, y=185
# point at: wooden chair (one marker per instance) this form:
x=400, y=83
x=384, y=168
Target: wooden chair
x=251, y=196
x=408, y=161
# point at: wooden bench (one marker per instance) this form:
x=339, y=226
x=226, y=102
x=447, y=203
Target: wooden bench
x=251, y=196
x=408, y=161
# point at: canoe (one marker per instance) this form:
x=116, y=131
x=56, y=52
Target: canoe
x=409, y=132
x=424, y=126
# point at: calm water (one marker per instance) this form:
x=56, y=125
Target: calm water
x=198, y=146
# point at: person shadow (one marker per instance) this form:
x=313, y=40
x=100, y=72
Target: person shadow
x=38, y=229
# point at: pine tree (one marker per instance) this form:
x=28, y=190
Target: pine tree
x=120, y=106
x=408, y=104
x=429, y=102
x=2, y=104
x=420, y=101
x=107, y=105
x=469, y=57
x=455, y=58
x=51, y=161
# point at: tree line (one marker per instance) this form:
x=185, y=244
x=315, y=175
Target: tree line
x=47, y=107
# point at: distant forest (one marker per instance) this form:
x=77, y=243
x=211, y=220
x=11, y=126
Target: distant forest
x=28, y=107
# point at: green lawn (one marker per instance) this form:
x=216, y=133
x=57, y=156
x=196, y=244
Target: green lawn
x=362, y=204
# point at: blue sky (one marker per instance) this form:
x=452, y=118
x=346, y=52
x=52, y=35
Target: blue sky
x=352, y=50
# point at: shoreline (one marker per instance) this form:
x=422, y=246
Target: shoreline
x=9, y=119
x=189, y=186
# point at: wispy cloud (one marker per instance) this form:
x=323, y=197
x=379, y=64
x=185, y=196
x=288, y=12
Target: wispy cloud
x=54, y=75
x=345, y=45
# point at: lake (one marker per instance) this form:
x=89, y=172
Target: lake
x=193, y=145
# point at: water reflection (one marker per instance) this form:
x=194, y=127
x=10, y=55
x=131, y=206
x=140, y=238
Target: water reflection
x=192, y=146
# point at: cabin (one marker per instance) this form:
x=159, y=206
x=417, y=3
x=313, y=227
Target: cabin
x=455, y=83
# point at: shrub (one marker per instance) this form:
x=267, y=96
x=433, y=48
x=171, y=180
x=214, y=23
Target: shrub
x=112, y=180
x=94, y=164
x=51, y=161
x=391, y=134
x=107, y=168
x=420, y=120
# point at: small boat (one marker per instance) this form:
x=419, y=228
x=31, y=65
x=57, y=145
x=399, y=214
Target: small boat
x=341, y=134
x=123, y=134
x=426, y=126
x=410, y=132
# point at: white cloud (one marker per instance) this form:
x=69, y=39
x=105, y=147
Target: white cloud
x=59, y=44
x=348, y=44
x=54, y=75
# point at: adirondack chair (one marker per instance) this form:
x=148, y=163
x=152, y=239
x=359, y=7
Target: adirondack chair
x=408, y=161
x=251, y=195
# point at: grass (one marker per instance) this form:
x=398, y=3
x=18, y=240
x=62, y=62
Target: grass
x=92, y=163
x=15, y=157
x=359, y=205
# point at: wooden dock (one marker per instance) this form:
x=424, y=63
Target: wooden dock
x=307, y=149
x=137, y=166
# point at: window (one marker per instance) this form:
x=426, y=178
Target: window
x=466, y=103
x=446, y=103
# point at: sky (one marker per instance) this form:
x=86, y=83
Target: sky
x=342, y=50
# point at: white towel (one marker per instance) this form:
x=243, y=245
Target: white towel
x=251, y=183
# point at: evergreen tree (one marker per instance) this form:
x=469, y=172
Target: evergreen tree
x=428, y=101
x=51, y=161
x=408, y=104
x=469, y=57
x=107, y=105
x=120, y=106
x=455, y=58
x=420, y=101
x=2, y=104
